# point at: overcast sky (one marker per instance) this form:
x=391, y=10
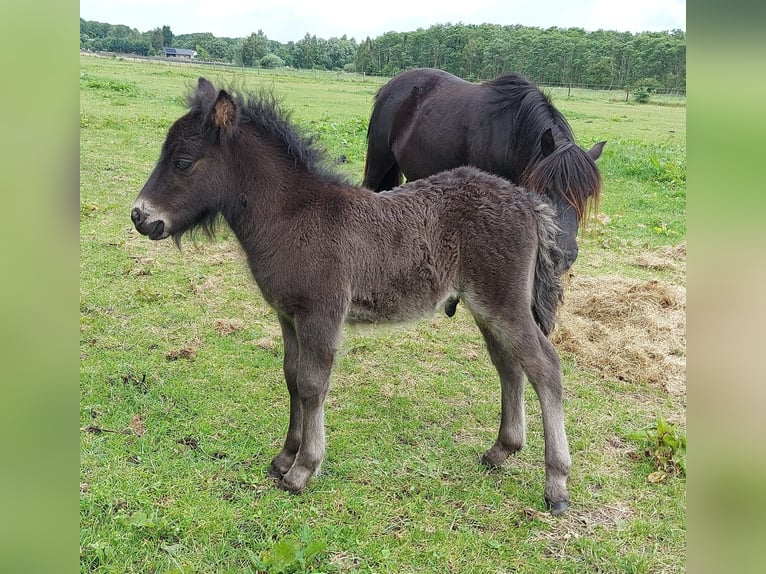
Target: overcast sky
x=291, y=20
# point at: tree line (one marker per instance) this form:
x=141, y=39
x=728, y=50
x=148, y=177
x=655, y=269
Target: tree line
x=561, y=56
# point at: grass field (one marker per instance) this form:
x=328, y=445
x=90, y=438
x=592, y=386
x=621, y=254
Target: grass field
x=183, y=403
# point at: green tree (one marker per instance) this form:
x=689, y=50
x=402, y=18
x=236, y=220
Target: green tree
x=363, y=57
x=255, y=47
x=156, y=40
x=272, y=61
x=202, y=53
x=167, y=36
x=307, y=54
x=339, y=52
x=220, y=50
x=554, y=55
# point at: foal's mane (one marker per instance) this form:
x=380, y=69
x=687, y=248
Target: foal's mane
x=263, y=112
x=568, y=169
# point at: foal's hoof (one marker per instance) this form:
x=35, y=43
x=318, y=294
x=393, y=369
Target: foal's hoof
x=484, y=460
x=558, y=507
x=288, y=486
x=274, y=473
x=494, y=458
x=296, y=480
x=282, y=486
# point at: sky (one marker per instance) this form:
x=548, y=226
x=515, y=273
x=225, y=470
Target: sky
x=291, y=20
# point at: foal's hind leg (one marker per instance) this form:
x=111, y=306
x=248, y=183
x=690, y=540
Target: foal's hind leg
x=511, y=436
x=541, y=363
x=523, y=344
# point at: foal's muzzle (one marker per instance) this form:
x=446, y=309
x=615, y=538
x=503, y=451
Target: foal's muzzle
x=153, y=229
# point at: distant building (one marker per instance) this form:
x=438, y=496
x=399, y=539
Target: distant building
x=179, y=53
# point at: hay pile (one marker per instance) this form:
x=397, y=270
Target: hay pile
x=626, y=328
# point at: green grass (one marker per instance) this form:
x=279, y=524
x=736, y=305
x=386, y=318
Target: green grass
x=183, y=403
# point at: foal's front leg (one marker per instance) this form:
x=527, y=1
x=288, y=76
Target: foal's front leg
x=284, y=460
x=317, y=339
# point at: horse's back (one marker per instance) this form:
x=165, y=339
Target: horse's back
x=427, y=120
x=425, y=79
x=399, y=100
x=469, y=209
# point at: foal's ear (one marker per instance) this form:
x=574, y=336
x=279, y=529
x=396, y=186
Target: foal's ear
x=547, y=145
x=225, y=113
x=205, y=88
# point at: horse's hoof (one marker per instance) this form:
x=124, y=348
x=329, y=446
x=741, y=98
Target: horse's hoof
x=558, y=507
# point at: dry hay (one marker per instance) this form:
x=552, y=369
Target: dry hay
x=626, y=329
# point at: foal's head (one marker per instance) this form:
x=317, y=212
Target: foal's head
x=188, y=185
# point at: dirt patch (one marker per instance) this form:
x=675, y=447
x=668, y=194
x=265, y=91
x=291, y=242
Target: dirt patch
x=182, y=353
x=137, y=425
x=574, y=524
x=626, y=329
x=228, y=326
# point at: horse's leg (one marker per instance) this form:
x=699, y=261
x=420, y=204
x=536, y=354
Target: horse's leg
x=317, y=338
x=392, y=178
x=284, y=460
x=544, y=372
x=511, y=436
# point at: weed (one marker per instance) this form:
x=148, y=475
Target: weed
x=290, y=555
x=665, y=444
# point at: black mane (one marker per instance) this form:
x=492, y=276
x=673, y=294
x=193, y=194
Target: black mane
x=534, y=111
x=568, y=168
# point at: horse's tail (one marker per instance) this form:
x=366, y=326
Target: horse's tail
x=381, y=170
x=547, y=290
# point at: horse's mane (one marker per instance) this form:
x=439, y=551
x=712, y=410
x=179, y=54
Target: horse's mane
x=533, y=113
x=568, y=168
x=264, y=112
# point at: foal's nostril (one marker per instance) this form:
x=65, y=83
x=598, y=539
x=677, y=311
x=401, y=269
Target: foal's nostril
x=135, y=215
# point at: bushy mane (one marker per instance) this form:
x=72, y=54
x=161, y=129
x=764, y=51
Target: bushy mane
x=568, y=169
x=263, y=111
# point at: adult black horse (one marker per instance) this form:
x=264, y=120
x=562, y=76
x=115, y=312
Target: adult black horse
x=425, y=121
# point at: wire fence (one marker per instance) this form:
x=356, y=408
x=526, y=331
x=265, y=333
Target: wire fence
x=669, y=96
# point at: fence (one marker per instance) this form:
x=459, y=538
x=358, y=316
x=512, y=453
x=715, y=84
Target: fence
x=658, y=95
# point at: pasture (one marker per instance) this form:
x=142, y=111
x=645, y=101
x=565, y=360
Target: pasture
x=183, y=402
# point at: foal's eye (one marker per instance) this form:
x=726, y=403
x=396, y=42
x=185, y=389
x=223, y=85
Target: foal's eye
x=183, y=164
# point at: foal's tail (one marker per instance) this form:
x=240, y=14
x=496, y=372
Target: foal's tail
x=547, y=290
